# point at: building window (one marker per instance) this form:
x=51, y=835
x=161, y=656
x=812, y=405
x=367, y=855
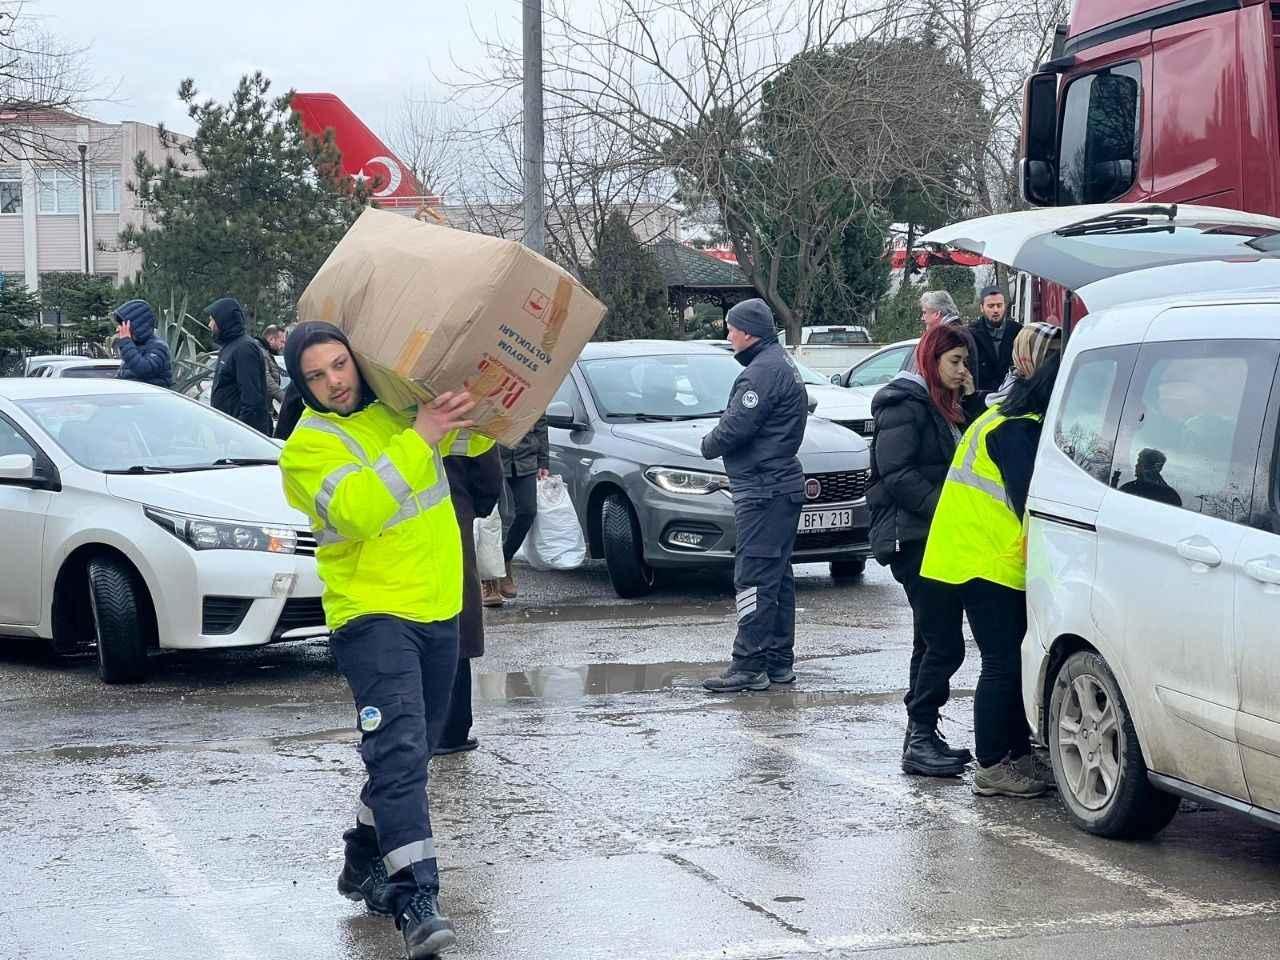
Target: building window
x=10, y=190
x=106, y=190
x=58, y=191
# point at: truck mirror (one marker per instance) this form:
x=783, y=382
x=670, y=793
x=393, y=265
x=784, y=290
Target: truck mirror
x=1039, y=139
x=1038, y=182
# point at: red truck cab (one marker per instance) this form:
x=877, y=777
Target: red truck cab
x=1154, y=101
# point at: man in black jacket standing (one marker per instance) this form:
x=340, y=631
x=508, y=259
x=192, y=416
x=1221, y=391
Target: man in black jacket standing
x=758, y=437
x=239, y=378
x=993, y=336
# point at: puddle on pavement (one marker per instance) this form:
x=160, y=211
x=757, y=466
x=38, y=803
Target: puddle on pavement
x=580, y=613
x=591, y=680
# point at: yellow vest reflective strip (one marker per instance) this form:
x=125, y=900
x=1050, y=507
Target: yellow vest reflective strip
x=468, y=444
x=386, y=471
x=975, y=533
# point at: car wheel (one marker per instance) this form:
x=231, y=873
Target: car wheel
x=624, y=549
x=845, y=570
x=1097, y=759
x=122, y=643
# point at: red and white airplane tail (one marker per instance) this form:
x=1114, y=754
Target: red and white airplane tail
x=364, y=155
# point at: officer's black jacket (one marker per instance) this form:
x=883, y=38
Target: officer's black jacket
x=762, y=427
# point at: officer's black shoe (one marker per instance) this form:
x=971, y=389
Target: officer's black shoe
x=426, y=931
x=924, y=755
x=367, y=881
x=736, y=679
x=782, y=675
x=958, y=753
x=470, y=743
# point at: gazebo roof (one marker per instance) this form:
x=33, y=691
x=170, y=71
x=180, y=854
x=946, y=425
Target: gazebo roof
x=684, y=267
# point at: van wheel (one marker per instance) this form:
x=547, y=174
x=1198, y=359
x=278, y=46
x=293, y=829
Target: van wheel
x=624, y=549
x=1097, y=759
x=122, y=644
x=846, y=570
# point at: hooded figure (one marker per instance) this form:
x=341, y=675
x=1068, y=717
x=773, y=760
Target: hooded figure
x=307, y=335
x=239, y=379
x=143, y=355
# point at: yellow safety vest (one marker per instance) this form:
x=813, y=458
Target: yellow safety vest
x=975, y=534
x=378, y=498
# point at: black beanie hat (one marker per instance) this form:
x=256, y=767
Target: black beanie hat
x=308, y=335
x=752, y=317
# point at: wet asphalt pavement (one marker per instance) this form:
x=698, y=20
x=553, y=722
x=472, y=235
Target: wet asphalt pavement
x=613, y=810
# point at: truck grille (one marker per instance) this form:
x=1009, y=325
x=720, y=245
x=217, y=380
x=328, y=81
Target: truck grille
x=298, y=613
x=838, y=487
x=223, y=615
x=864, y=428
x=306, y=543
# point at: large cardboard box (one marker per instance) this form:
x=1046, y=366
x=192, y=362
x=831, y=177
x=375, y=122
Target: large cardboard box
x=429, y=309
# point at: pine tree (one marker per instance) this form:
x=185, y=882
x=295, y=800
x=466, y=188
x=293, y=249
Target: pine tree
x=625, y=276
x=251, y=209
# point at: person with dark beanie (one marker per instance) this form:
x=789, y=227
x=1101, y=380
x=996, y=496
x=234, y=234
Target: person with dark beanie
x=475, y=485
x=758, y=437
x=239, y=377
x=143, y=355
x=373, y=483
x=919, y=418
x=977, y=545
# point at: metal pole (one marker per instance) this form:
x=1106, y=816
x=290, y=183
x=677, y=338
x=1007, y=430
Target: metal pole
x=534, y=217
x=84, y=202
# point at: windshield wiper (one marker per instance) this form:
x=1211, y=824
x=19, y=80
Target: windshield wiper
x=245, y=462
x=141, y=468
x=1123, y=221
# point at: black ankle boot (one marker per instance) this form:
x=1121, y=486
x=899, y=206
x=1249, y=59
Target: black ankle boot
x=426, y=930
x=925, y=756
x=363, y=875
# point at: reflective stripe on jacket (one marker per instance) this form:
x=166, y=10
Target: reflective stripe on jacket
x=975, y=533
x=378, y=499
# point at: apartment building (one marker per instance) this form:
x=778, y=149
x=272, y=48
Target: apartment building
x=62, y=208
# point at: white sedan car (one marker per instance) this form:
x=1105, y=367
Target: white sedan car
x=136, y=518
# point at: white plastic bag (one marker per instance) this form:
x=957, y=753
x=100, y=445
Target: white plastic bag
x=488, y=534
x=556, y=541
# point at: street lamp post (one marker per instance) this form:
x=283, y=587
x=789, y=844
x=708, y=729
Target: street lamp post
x=534, y=222
x=84, y=201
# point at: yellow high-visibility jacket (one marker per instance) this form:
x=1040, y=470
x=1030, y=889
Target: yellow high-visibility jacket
x=974, y=533
x=378, y=499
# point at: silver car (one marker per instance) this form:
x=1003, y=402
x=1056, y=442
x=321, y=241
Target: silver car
x=626, y=428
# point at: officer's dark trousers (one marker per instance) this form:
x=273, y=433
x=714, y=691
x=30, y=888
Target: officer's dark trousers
x=998, y=618
x=937, y=650
x=762, y=580
x=401, y=675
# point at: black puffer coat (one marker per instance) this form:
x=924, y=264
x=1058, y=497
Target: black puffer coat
x=911, y=452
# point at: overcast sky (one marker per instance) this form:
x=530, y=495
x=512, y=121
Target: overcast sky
x=369, y=54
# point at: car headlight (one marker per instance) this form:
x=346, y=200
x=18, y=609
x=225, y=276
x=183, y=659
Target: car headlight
x=692, y=482
x=203, y=534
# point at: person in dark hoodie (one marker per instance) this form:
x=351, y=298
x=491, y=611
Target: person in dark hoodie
x=993, y=337
x=373, y=483
x=239, y=379
x=143, y=355
x=918, y=420
x=759, y=437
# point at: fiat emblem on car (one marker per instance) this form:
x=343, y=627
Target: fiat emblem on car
x=812, y=489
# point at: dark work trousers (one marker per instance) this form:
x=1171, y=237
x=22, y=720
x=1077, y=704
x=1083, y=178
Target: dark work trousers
x=401, y=674
x=998, y=617
x=457, y=726
x=522, y=509
x=763, y=582
x=937, y=648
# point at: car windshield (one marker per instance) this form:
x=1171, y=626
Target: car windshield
x=147, y=433
x=810, y=375
x=670, y=387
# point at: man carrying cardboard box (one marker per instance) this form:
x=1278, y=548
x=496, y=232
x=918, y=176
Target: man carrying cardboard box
x=373, y=483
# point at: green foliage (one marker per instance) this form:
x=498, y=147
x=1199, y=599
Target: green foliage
x=190, y=354
x=81, y=298
x=957, y=281
x=251, y=208
x=625, y=276
x=898, y=316
x=19, y=310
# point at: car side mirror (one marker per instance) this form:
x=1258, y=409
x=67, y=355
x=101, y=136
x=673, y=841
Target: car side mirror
x=837, y=379
x=560, y=414
x=17, y=468
x=813, y=405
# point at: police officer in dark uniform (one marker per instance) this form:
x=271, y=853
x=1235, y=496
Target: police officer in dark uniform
x=758, y=436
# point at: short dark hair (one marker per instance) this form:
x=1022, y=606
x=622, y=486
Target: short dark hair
x=990, y=292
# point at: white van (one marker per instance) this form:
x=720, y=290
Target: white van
x=1151, y=666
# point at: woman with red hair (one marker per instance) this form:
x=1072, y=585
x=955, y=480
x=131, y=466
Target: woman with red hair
x=919, y=418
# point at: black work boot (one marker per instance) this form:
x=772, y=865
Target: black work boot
x=736, y=679
x=364, y=877
x=924, y=756
x=782, y=675
x=425, y=929
x=959, y=753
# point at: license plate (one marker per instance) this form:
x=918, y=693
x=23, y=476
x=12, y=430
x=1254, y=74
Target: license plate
x=812, y=521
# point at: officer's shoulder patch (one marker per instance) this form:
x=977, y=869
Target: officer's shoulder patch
x=750, y=399
x=370, y=719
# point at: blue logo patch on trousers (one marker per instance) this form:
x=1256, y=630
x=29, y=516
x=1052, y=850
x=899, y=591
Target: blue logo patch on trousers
x=370, y=718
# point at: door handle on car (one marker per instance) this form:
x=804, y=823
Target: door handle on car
x=1264, y=570
x=1199, y=550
